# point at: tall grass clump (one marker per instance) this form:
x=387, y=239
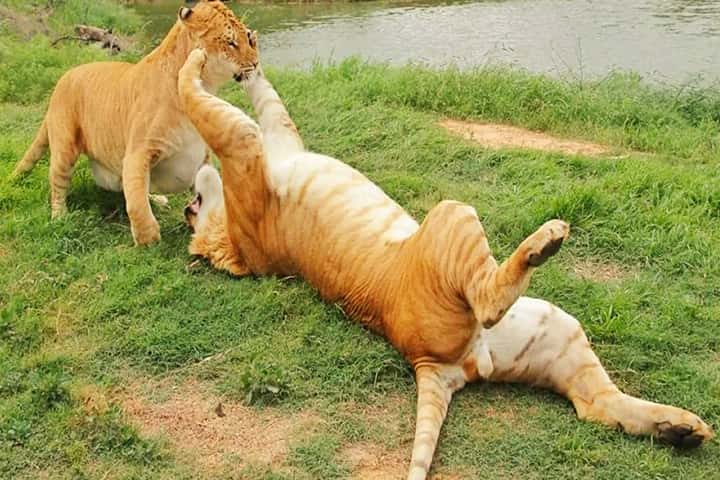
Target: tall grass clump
x=621, y=109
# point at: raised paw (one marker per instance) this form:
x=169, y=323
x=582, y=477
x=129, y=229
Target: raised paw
x=546, y=241
x=197, y=59
x=192, y=69
x=688, y=434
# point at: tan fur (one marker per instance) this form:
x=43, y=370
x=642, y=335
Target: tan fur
x=433, y=290
x=127, y=118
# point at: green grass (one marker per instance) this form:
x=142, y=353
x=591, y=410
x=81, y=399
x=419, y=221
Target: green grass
x=79, y=305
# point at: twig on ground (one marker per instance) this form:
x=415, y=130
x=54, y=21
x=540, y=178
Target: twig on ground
x=68, y=37
x=203, y=361
x=87, y=34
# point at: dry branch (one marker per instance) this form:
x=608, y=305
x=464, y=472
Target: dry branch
x=87, y=34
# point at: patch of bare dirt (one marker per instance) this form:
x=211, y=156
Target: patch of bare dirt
x=371, y=461
x=589, y=269
x=210, y=430
x=493, y=135
x=506, y=414
x=393, y=417
x=44, y=475
x=389, y=416
x=93, y=399
x=367, y=460
x=716, y=358
x=25, y=25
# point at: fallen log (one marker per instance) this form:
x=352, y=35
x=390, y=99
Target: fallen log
x=87, y=34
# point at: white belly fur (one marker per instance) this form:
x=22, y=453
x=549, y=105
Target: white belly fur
x=177, y=172
x=105, y=178
x=288, y=176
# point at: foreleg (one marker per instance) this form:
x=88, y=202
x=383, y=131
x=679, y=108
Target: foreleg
x=280, y=135
x=136, y=183
x=236, y=139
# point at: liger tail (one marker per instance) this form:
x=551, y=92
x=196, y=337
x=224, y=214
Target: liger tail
x=33, y=154
x=432, y=405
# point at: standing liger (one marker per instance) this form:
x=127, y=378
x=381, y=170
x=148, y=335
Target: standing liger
x=433, y=290
x=127, y=118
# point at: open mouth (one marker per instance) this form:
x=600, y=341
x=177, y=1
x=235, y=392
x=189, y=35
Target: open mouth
x=245, y=73
x=193, y=208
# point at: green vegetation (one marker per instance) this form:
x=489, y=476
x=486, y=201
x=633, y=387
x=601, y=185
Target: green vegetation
x=31, y=67
x=81, y=308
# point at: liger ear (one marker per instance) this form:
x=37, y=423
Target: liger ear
x=184, y=13
x=252, y=38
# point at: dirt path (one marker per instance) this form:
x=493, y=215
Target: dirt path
x=493, y=135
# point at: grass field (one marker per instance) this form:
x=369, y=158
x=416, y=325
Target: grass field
x=99, y=339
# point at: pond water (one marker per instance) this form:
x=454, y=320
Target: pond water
x=666, y=41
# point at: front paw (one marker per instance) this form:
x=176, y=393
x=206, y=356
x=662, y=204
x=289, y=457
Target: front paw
x=546, y=241
x=193, y=67
x=686, y=431
x=147, y=233
x=196, y=60
x=159, y=200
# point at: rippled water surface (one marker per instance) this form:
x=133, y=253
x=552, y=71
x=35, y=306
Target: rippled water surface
x=672, y=41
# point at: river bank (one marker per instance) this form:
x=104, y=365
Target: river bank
x=674, y=42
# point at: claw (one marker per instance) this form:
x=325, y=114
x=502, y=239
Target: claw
x=551, y=236
x=552, y=247
x=681, y=435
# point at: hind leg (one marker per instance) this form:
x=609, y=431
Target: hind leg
x=510, y=280
x=136, y=184
x=63, y=156
x=452, y=240
x=540, y=344
x=456, y=241
x=63, y=135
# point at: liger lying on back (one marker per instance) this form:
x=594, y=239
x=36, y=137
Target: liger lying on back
x=433, y=290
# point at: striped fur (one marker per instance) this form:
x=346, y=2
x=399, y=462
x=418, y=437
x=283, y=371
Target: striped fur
x=127, y=118
x=433, y=290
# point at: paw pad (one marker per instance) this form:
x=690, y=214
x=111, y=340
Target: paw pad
x=550, y=249
x=680, y=436
x=549, y=238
